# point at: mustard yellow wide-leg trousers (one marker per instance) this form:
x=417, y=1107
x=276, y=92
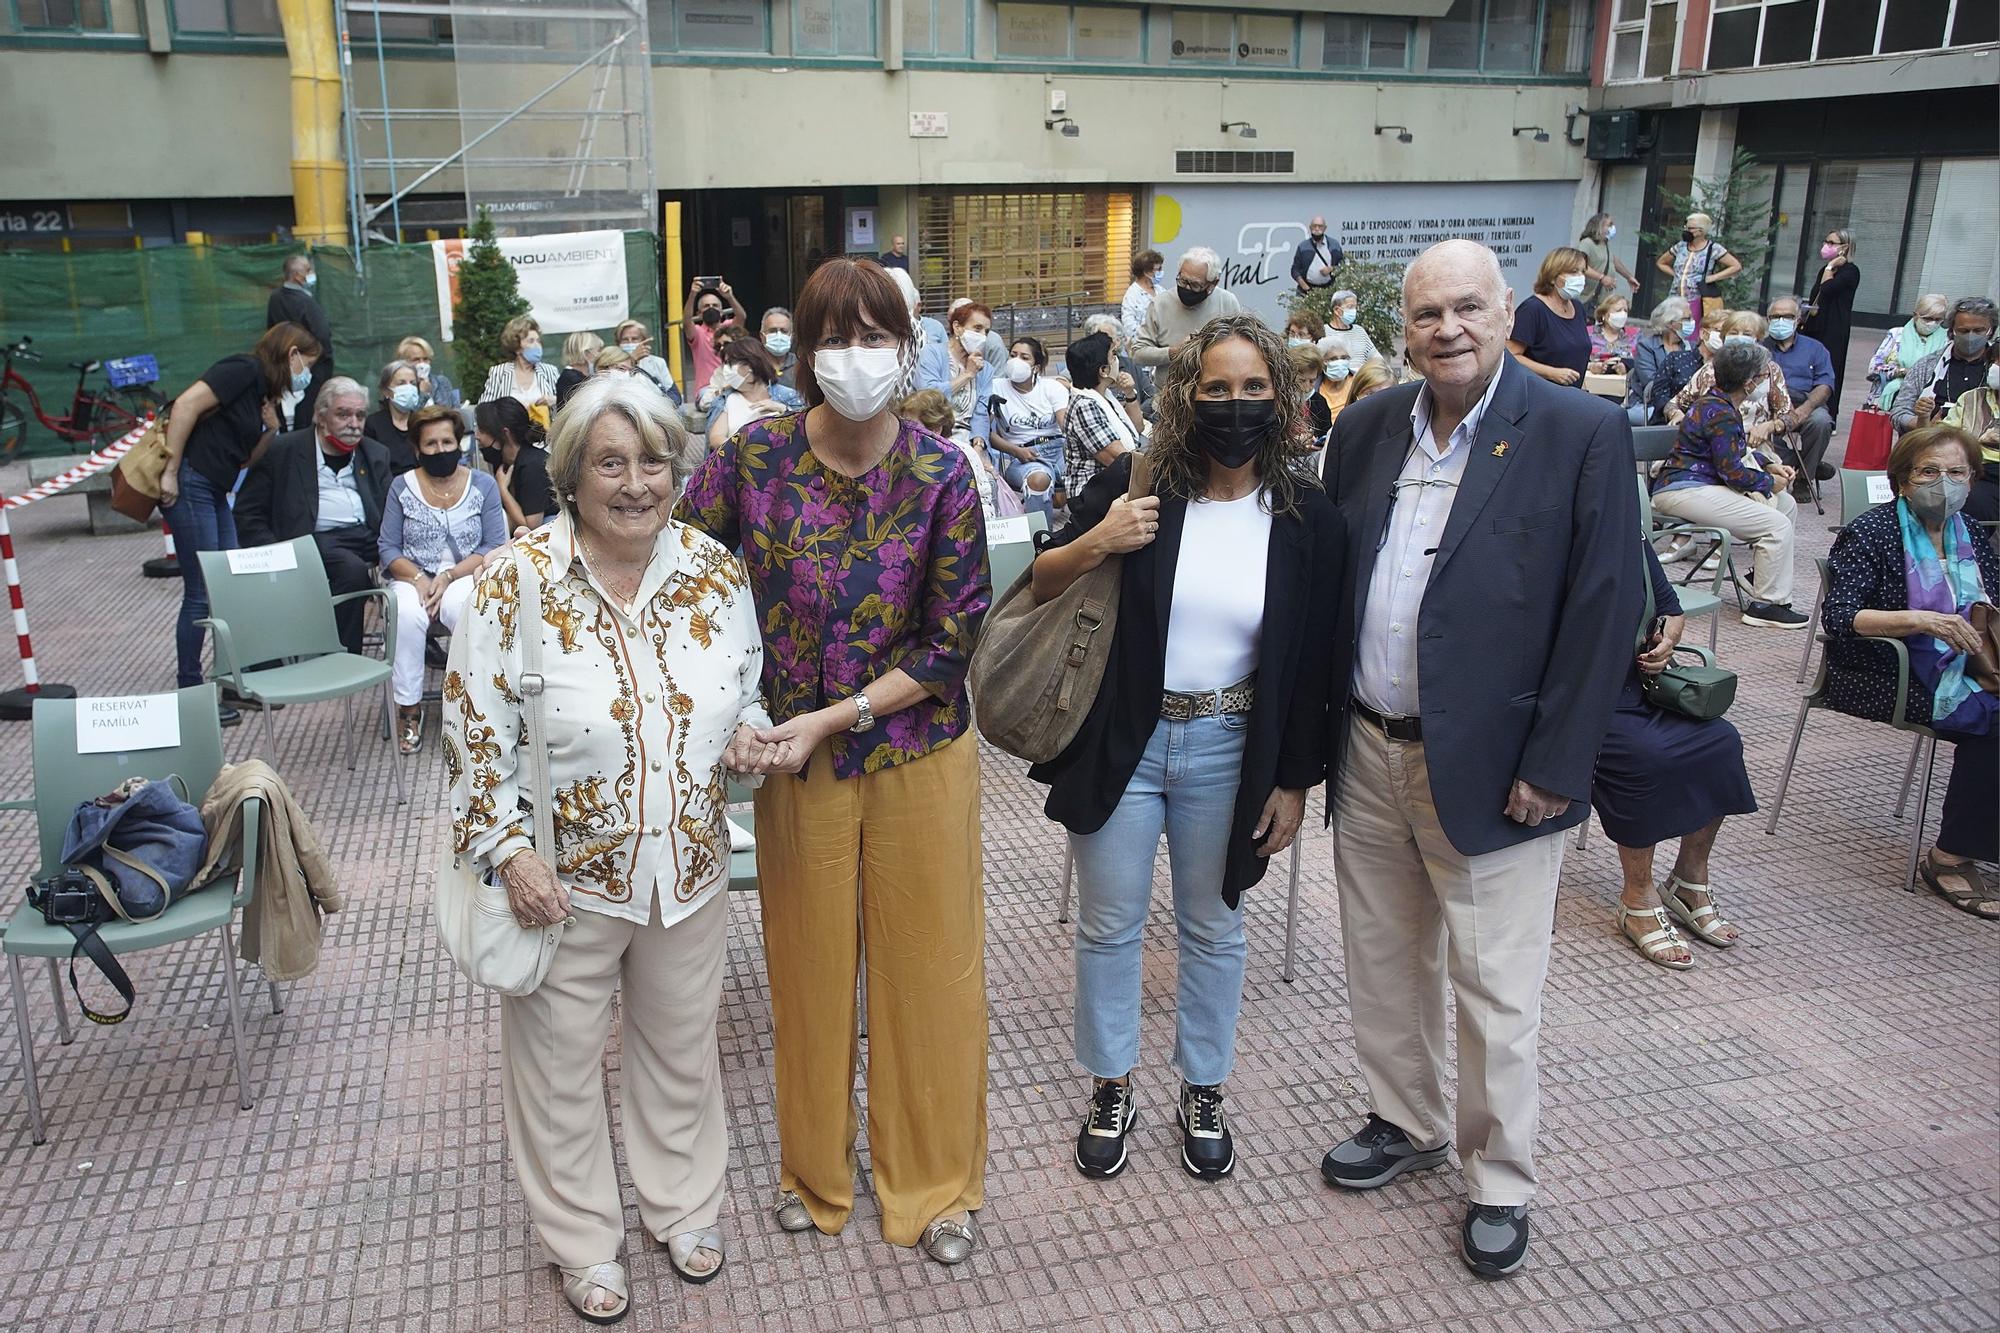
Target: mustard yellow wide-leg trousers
x=892, y=858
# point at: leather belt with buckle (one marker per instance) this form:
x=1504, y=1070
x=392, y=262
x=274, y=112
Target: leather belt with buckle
x=1395, y=728
x=1238, y=698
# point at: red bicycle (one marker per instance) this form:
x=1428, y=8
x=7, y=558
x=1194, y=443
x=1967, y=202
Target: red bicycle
x=96, y=417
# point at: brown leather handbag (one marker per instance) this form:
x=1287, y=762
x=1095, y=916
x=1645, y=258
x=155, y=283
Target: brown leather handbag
x=1038, y=666
x=135, y=482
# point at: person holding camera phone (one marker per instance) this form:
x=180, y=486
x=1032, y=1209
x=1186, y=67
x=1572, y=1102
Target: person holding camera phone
x=711, y=304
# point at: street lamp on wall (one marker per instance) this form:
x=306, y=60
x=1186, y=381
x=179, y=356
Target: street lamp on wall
x=1244, y=129
x=1070, y=129
x=1541, y=135
x=1403, y=134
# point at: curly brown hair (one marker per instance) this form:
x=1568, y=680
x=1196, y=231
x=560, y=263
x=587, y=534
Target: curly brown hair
x=1179, y=468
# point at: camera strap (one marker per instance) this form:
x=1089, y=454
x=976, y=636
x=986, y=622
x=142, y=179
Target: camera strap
x=91, y=945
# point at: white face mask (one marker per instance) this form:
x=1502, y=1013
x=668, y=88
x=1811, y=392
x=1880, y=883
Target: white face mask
x=858, y=381
x=1572, y=286
x=1714, y=338
x=1616, y=319
x=423, y=369
x=1611, y=231
x=1018, y=369
x=1993, y=377
x=729, y=377
x=1347, y=314
x=972, y=340
x=630, y=349
x=1925, y=327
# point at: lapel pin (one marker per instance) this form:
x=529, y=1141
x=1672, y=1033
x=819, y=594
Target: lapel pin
x=1500, y=449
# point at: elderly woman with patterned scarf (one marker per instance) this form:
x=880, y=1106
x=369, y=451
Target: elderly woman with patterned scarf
x=1913, y=569
x=649, y=637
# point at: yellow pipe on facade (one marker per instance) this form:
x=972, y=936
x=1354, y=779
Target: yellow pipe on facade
x=319, y=167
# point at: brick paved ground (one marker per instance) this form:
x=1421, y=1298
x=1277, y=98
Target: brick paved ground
x=1799, y=1133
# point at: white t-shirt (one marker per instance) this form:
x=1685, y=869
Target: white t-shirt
x=1030, y=416
x=1218, y=611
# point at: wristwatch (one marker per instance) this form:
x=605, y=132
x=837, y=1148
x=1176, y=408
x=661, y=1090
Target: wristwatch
x=866, y=721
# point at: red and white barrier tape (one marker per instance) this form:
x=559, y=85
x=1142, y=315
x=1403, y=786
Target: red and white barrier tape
x=89, y=467
x=28, y=671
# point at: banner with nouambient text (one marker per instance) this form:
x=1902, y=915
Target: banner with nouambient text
x=572, y=281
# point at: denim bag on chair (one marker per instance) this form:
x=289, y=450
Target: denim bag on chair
x=148, y=845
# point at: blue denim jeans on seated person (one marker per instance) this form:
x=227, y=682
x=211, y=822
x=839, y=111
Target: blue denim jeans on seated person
x=202, y=521
x=1039, y=498
x=1185, y=784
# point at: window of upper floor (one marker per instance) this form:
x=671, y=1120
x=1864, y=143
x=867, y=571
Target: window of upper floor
x=1086, y=34
x=1211, y=37
x=1512, y=37
x=1360, y=41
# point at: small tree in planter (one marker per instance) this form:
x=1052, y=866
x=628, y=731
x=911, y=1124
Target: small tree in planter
x=1378, y=291
x=1739, y=201
x=489, y=294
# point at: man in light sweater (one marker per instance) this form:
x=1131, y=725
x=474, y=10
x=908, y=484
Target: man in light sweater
x=1170, y=323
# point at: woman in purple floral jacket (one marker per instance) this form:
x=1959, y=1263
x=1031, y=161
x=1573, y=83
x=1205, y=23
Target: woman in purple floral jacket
x=867, y=558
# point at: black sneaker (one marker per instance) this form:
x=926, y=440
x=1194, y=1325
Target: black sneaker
x=227, y=716
x=1207, y=1151
x=1100, y=1144
x=1376, y=1156
x=1773, y=616
x=1494, y=1240
x=1825, y=472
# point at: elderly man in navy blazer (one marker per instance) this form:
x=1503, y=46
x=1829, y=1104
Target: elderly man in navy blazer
x=1491, y=518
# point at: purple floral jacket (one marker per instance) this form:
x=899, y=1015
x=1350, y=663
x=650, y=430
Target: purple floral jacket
x=854, y=576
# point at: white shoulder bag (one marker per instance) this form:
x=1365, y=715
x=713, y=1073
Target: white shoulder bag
x=475, y=921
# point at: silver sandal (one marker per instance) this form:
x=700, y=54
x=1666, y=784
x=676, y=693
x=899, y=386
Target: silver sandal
x=950, y=1239
x=790, y=1210
x=681, y=1249
x=1702, y=922
x=1653, y=945
x=578, y=1283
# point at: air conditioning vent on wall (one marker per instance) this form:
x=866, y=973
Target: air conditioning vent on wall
x=1233, y=161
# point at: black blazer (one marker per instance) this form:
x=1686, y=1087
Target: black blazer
x=288, y=305
x=1287, y=728
x=1525, y=634
x=280, y=498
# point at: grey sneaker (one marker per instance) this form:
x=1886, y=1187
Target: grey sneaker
x=1376, y=1156
x=1494, y=1239
x=1773, y=616
x=1100, y=1142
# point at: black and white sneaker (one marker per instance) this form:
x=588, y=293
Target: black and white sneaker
x=1494, y=1239
x=1376, y=1156
x=1100, y=1144
x=1773, y=616
x=1207, y=1151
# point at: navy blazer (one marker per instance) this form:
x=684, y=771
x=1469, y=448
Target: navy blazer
x=279, y=498
x=1525, y=634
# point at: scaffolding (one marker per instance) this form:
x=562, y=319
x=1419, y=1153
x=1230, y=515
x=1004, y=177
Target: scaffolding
x=543, y=117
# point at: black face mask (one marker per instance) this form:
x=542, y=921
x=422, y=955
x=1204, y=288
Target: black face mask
x=439, y=465
x=1688, y=235
x=1233, y=430
x=494, y=456
x=1191, y=296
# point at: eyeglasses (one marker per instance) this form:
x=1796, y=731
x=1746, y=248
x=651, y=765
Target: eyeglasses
x=1927, y=474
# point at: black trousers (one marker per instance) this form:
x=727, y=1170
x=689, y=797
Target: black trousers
x=349, y=555
x=1968, y=825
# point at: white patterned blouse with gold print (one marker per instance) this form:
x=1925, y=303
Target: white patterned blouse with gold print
x=639, y=709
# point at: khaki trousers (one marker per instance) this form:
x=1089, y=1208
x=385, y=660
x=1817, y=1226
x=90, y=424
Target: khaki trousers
x=1768, y=529
x=1414, y=912
x=904, y=842
x=552, y=1077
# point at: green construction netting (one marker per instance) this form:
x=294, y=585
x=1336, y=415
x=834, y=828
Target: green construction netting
x=189, y=306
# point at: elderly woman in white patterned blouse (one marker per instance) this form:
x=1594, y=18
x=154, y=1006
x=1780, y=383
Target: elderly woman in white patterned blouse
x=652, y=659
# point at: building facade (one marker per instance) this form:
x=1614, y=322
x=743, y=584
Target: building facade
x=1876, y=116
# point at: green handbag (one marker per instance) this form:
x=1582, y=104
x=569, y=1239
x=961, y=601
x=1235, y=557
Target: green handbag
x=1700, y=689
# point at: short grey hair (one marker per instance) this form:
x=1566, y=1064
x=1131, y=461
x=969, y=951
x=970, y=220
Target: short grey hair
x=1738, y=364
x=388, y=374
x=1979, y=307
x=340, y=386
x=1344, y=295
x=296, y=266
x=1797, y=304
x=1207, y=258
x=1670, y=314
x=1488, y=260
x=1107, y=325
x=765, y=318
x=1937, y=301
x=661, y=433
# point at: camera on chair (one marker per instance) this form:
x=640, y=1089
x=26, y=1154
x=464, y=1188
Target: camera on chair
x=69, y=898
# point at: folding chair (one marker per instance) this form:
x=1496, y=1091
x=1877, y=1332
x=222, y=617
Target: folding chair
x=64, y=779
x=288, y=613
x=1926, y=742
x=1859, y=492
x=1006, y=560
x=1694, y=602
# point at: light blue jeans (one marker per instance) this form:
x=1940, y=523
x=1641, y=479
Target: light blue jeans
x=1185, y=784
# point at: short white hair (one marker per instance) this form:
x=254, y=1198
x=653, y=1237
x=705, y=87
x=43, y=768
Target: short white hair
x=660, y=431
x=1107, y=325
x=1459, y=245
x=1202, y=255
x=341, y=386
x=907, y=286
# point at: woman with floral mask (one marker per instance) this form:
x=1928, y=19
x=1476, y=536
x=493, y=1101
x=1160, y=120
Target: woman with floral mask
x=1211, y=723
x=1913, y=570
x=867, y=559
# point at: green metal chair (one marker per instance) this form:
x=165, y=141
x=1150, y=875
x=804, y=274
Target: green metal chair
x=1926, y=739
x=1694, y=602
x=64, y=780
x=289, y=614
x=1006, y=560
x=1859, y=493
x=740, y=812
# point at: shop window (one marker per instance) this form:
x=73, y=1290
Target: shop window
x=1870, y=199
x=1354, y=41
x=227, y=18
x=1026, y=248
x=1954, y=233
x=937, y=28
x=1208, y=37
x=1096, y=34
x=833, y=27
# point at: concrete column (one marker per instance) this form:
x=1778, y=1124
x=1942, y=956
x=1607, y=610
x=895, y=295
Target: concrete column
x=1716, y=143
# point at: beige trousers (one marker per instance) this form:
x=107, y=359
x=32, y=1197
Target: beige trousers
x=905, y=842
x=669, y=983
x=1768, y=529
x=1415, y=913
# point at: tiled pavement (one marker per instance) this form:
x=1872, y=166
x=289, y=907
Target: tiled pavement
x=1800, y=1133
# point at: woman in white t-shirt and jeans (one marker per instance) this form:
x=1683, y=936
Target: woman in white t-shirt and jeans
x=1211, y=722
x=1026, y=439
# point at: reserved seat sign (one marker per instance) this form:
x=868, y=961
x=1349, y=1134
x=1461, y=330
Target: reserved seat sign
x=129, y=722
